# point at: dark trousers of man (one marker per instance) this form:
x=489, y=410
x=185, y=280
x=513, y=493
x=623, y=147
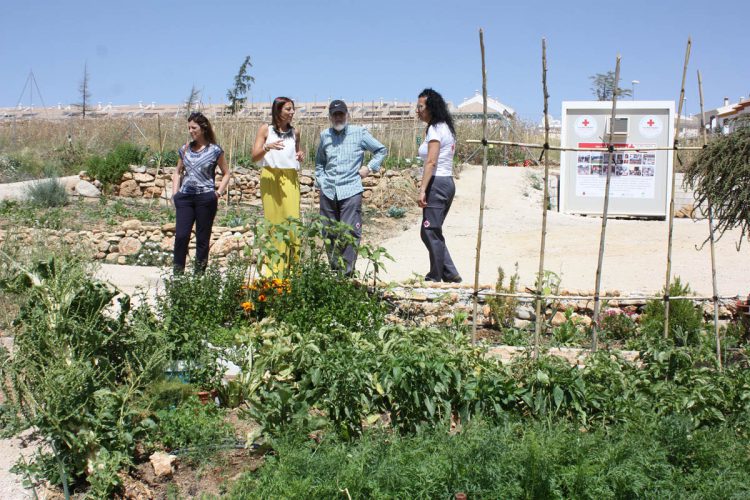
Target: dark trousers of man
x=198, y=209
x=440, y=192
x=348, y=211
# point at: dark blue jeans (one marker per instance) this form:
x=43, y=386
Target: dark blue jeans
x=198, y=209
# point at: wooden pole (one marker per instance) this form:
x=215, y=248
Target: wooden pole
x=605, y=211
x=540, y=274
x=483, y=189
x=161, y=144
x=711, y=238
x=668, y=278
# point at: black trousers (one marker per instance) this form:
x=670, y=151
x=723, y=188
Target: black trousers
x=348, y=211
x=440, y=192
x=198, y=209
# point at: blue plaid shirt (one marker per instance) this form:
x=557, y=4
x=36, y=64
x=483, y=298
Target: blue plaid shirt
x=339, y=158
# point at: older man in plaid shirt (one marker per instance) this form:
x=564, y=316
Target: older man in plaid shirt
x=339, y=171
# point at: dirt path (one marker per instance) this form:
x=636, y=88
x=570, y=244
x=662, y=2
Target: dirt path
x=635, y=254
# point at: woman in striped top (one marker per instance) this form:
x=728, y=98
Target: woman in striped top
x=194, y=193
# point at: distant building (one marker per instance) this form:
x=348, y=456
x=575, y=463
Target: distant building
x=722, y=119
x=474, y=107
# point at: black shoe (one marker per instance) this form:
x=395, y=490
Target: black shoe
x=453, y=279
x=431, y=280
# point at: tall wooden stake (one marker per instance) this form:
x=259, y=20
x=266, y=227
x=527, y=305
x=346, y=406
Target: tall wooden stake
x=485, y=147
x=540, y=274
x=668, y=278
x=161, y=144
x=605, y=211
x=715, y=298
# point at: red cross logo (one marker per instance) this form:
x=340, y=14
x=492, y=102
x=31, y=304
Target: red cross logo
x=585, y=123
x=650, y=123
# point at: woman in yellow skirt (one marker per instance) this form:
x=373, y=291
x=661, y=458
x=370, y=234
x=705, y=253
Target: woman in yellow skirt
x=277, y=150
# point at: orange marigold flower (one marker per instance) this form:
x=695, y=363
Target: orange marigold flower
x=261, y=298
x=247, y=306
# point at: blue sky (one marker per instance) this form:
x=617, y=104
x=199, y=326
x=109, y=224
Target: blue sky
x=154, y=51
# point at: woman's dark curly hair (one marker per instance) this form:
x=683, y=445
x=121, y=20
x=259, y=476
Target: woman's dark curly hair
x=438, y=109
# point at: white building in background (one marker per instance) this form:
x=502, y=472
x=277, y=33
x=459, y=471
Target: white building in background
x=555, y=125
x=722, y=118
x=474, y=107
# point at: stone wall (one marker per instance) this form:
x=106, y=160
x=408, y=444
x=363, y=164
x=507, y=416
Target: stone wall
x=138, y=243
x=437, y=304
x=244, y=186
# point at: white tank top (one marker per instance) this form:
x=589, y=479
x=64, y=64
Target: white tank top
x=281, y=158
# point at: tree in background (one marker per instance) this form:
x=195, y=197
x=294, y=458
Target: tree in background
x=85, y=92
x=192, y=101
x=237, y=94
x=603, y=84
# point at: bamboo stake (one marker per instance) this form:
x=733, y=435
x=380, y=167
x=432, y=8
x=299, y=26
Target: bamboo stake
x=161, y=144
x=668, y=278
x=540, y=274
x=711, y=238
x=605, y=212
x=483, y=189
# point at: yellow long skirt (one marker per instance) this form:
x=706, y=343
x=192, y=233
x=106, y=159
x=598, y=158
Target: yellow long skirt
x=280, y=194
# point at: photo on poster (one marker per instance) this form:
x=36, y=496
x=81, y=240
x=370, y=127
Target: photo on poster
x=649, y=159
x=584, y=169
x=648, y=171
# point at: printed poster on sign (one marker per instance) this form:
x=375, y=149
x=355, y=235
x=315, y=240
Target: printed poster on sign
x=631, y=172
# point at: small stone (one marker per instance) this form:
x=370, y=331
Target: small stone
x=558, y=319
x=132, y=225
x=130, y=189
x=138, y=169
x=129, y=246
x=169, y=227
x=122, y=260
x=112, y=258
x=580, y=319
x=87, y=189
x=162, y=463
x=525, y=313
x=521, y=324
x=167, y=244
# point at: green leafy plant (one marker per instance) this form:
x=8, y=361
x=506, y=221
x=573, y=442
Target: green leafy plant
x=396, y=212
x=78, y=372
x=110, y=169
x=48, y=193
x=503, y=309
x=685, y=319
x=192, y=306
x=192, y=427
